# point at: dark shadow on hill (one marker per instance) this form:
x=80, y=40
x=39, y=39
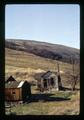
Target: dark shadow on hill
x=45, y=50
x=46, y=98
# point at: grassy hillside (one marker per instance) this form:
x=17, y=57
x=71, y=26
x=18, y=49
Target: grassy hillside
x=47, y=50
x=24, y=65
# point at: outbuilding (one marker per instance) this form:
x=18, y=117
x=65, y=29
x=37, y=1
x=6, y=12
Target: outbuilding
x=49, y=80
x=17, y=91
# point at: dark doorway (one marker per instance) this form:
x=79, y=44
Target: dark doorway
x=45, y=83
x=52, y=81
x=26, y=91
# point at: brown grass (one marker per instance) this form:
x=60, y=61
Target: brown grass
x=23, y=66
x=68, y=107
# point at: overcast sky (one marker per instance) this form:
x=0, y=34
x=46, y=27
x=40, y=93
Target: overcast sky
x=53, y=23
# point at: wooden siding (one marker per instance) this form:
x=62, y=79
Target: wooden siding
x=18, y=94
x=12, y=94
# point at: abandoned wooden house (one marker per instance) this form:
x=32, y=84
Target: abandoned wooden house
x=49, y=80
x=17, y=91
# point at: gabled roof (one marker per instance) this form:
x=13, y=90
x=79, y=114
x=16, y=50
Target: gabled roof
x=12, y=84
x=20, y=84
x=15, y=84
x=48, y=74
x=10, y=79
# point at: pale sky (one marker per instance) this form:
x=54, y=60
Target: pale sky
x=53, y=23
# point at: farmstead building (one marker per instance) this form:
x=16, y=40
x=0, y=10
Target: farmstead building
x=17, y=91
x=49, y=80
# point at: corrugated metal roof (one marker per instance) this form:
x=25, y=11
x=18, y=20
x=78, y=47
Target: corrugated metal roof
x=12, y=84
x=20, y=84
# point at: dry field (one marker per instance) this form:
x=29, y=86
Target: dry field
x=53, y=103
x=23, y=66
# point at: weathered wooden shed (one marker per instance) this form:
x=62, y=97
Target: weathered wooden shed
x=49, y=80
x=17, y=91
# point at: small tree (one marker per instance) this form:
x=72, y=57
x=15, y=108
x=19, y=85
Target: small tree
x=75, y=73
